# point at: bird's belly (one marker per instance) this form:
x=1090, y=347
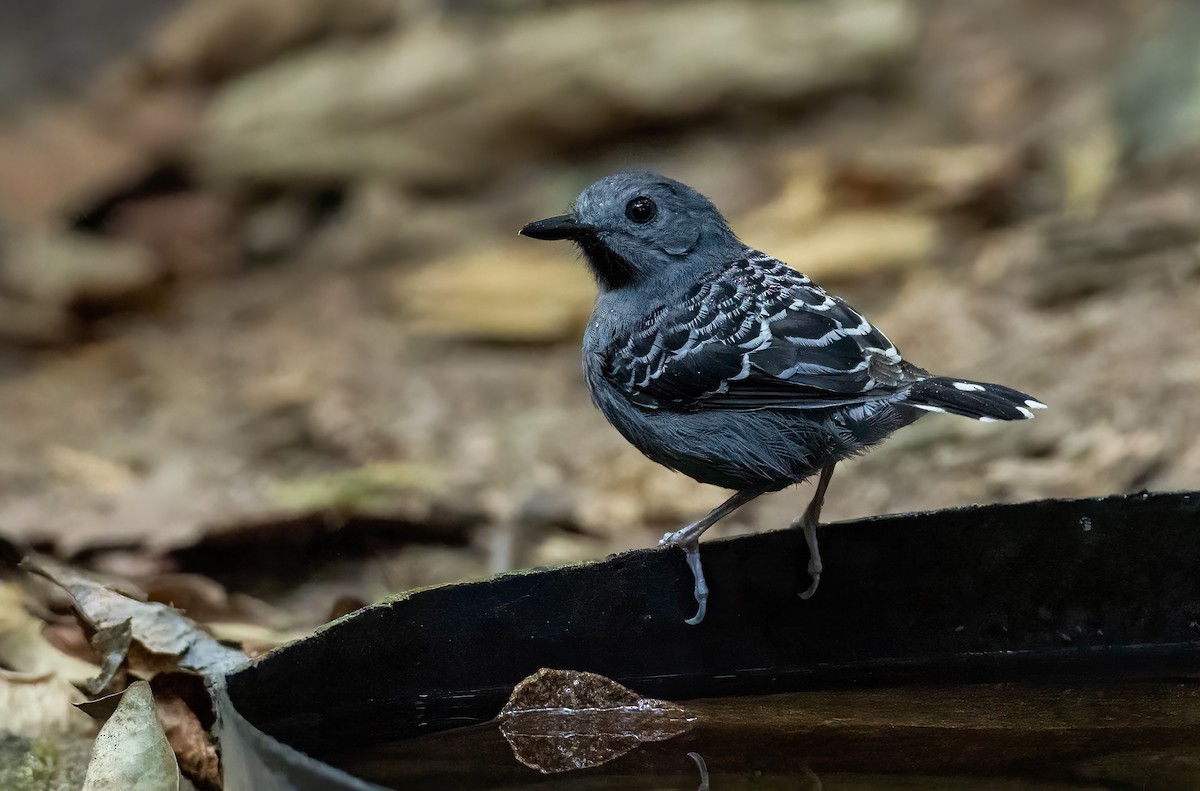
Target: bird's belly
x=734, y=450
x=747, y=449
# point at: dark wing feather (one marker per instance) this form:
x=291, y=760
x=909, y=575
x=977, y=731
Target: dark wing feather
x=755, y=335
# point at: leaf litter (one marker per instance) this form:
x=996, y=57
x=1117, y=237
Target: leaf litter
x=164, y=638
x=146, y=726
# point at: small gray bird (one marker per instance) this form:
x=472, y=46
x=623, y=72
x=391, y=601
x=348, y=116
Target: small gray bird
x=727, y=365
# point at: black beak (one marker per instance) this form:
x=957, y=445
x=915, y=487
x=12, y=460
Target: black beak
x=564, y=226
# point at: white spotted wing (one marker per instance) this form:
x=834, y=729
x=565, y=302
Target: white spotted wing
x=756, y=334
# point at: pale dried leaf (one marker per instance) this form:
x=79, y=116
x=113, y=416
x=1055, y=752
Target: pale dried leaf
x=112, y=646
x=131, y=751
x=511, y=293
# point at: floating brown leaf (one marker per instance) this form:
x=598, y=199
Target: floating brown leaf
x=561, y=720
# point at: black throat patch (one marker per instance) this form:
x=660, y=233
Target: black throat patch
x=612, y=271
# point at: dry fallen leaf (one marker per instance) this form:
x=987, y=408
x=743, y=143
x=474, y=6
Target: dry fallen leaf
x=164, y=637
x=112, y=645
x=562, y=720
x=131, y=751
x=24, y=649
x=196, y=753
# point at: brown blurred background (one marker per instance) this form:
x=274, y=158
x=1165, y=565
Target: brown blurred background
x=264, y=316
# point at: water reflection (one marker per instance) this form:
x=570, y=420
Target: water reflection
x=703, y=767
x=994, y=737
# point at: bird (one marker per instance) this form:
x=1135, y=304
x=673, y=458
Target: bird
x=723, y=363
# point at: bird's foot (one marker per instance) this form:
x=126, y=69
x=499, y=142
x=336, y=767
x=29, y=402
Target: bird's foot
x=688, y=539
x=814, y=560
x=692, y=554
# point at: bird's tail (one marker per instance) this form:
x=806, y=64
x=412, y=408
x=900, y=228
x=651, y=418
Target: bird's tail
x=981, y=401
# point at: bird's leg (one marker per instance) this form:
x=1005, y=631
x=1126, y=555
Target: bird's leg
x=688, y=539
x=809, y=522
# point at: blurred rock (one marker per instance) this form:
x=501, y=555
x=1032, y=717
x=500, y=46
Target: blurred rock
x=64, y=269
x=938, y=178
x=381, y=223
x=449, y=103
x=47, y=275
x=852, y=245
x=186, y=233
x=514, y=293
x=828, y=220
x=40, y=706
x=59, y=161
x=33, y=323
x=1070, y=257
x=212, y=40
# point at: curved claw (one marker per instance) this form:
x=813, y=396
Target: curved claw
x=812, y=588
x=692, y=554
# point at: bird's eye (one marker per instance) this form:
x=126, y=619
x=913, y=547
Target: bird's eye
x=641, y=209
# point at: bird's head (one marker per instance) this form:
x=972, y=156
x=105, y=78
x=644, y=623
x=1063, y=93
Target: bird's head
x=641, y=228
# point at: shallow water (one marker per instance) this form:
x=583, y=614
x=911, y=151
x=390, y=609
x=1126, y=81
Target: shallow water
x=1135, y=734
